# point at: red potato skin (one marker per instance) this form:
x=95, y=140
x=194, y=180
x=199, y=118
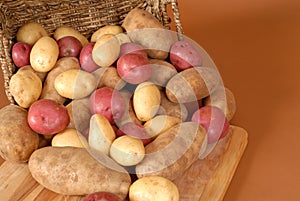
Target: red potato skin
x=211, y=118
x=134, y=68
x=48, y=117
x=131, y=47
x=69, y=46
x=108, y=102
x=101, y=196
x=183, y=56
x=21, y=54
x=134, y=130
x=86, y=60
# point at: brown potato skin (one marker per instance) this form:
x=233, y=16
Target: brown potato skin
x=173, y=151
x=109, y=77
x=224, y=99
x=139, y=19
x=74, y=171
x=172, y=109
x=62, y=65
x=41, y=75
x=18, y=140
x=79, y=113
x=189, y=85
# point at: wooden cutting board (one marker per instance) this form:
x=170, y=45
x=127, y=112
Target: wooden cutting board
x=206, y=179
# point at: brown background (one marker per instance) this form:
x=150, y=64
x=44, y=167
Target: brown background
x=256, y=47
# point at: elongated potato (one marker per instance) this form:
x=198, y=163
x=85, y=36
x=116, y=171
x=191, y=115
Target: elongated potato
x=69, y=137
x=75, y=84
x=146, y=100
x=78, y=171
x=101, y=134
x=224, y=99
x=173, y=151
x=31, y=32
x=62, y=65
x=108, y=29
x=160, y=124
x=153, y=188
x=172, y=109
x=192, y=84
x=25, y=86
x=44, y=54
x=144, y=28
x=63, y=31
x=18, y=140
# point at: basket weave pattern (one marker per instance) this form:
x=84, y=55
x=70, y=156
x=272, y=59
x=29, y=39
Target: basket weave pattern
x=86, y=16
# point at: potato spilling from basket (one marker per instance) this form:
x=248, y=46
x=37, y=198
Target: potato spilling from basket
x=119, y=114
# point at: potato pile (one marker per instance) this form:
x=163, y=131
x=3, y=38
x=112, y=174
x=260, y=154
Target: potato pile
x=119, y=114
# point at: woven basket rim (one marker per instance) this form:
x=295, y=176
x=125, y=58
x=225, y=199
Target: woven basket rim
x=84, y=15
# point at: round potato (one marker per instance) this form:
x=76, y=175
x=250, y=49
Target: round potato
x=153, y=188
x=25, y=86
x=106, y=50
x=127, y=150
x=18, y=140
x=69, y=137
x=63, y=31
x=146, y=100
x=44, y=54
x=31, y=32
x=75, y=84
x=41, y=75
x=108, y=29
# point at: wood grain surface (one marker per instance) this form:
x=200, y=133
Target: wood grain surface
x=206, y=179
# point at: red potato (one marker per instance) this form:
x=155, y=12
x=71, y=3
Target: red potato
x=184, y=55
x=134, y=68
x=101, y=196
x=214, y=122
x=69, y=46
x=48, y=117
x=131, y=47
x=21, y=54
x=134, y=130
x=86, y=59
x=108, y=102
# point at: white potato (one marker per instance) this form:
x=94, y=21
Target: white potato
x=153, y=188
x=127, y=151
x=25, y=86
x=106, y=50
x=31, y=32
x=75, y=84
x=108, y=29
x=63, y=31
x=44, y=54
x=146, y=100
x=69, y=137
x=101, y=134
x=160, y=124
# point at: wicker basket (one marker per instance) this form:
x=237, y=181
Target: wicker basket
x=84, y=15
